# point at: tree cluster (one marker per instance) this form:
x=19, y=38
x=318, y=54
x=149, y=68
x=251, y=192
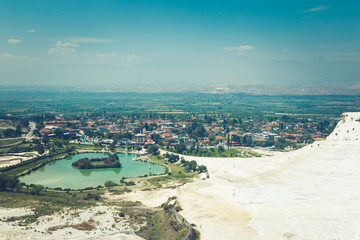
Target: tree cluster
x=152, y=149
x=281, y=144
x=172, y=158
x=86, y=163
x=192, y=166
x=196, y=130
x=8, y=182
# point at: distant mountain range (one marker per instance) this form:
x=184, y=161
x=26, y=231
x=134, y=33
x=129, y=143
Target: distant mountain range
x=345, y=88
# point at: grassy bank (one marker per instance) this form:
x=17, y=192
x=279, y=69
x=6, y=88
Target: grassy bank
x=226, y=153
x=33, y=164
x=160, y=223
x=176, y=174
x=86, y=147
x=46, y=203
x=10, y=141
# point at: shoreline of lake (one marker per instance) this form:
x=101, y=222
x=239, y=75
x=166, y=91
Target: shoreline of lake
x=53, y=175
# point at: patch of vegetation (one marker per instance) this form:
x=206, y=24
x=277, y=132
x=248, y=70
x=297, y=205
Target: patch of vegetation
x=6, y=123
x=188, y=165
x=84, y=226
x=18, y=147
x=109, y=184
x=192, y=166
x=124, y=204
x=219, y=152
x=10, y=141
x=97, y=163
x=47, y=203
x=126, y=183
x=176, y=173
x=120, y=190
x=85, y=147
x=153, y=224
x=8, y=182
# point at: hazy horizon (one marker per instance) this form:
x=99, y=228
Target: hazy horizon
x=178, y=44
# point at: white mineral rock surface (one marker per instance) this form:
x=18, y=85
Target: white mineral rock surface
x=311, y=193
x=103, y=217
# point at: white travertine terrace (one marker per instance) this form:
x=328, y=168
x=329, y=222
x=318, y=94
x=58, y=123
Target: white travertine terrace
x=311, y=193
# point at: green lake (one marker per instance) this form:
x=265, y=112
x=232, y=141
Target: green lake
x=60, y=173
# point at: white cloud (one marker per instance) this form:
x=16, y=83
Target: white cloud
x=343, y=56
x=239, y=49
x=134, y=58
x=85, y=54
x=69, y=44
x=63, y=49
x=31, y=30
x=16, y=58
x=88, y=40
x=14, y=41
x=6, y=55
x=115, y=59
x=120, y=58
x=316, y=9
x=106, y=55
x=338, y=46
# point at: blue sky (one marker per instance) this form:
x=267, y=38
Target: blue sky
x=151, y=43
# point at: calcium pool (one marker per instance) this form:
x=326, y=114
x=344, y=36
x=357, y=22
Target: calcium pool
x=60, y=173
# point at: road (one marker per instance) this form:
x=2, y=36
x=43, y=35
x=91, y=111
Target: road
x=32, y=126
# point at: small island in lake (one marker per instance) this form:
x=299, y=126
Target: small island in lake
x=95, y=163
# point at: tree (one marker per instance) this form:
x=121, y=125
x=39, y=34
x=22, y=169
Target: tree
x=11, y=182
x=37, y=188
x=192, y=164
x=2, y=182
x=221, y=149
x=36, y=132
x=236, y=138
x=208, y=119
x=40, y=149
x=180, y=148
x=247, y=140
x=137, y=130
x=112, y=145
x=281, y=143
x=18, y=130
x=202, y=168
x=45, y=140
x=269, y=142
x=196, y=130
x=9, y=133
x=307, y=138
x=156, y=138
x=58, y=133
x=88, y=132
x=172, y=158
x=153, y=149
x=69, y=149
x=109, y=184
x=322, y=125
x=85, y=164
